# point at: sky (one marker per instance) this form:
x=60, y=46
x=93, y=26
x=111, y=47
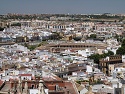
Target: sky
x=62, y=6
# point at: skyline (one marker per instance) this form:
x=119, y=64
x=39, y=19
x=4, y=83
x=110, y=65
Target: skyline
x=62, y=6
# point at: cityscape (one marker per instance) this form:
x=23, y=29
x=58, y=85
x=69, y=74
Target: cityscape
x=62, y=50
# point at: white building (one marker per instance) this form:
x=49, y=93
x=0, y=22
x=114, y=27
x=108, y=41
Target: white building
x=86, y=52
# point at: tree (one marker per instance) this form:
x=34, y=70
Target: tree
x=109, y=53
x=55, y=36
x=97, y=57
x=123, y=43
x=118, y=37
x=121, y=50
x=16, y=24
x=77, y=38
x=25, y=44
x=32, y=47
x=93, y=36
x=1, y=29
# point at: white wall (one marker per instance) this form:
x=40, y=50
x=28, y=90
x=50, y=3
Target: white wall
x=26, y=77
x=83, y=91
x=89, y=68
x=85, y=53
x=33, y=91
x=123, y=58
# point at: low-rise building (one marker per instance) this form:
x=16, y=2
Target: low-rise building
x=107, y=64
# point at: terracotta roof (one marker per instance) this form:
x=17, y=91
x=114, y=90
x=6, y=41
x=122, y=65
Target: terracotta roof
x=1, y=82
x=25, y=74
x=52, y=78
x=69, y=86
x=79, y=87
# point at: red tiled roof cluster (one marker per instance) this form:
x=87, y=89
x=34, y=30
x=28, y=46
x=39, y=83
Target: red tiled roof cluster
x=1, y=82
x=25, y=74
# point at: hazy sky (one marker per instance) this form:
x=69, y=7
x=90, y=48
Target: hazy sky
x=62, y=6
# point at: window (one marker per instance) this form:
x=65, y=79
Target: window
x=32, y=86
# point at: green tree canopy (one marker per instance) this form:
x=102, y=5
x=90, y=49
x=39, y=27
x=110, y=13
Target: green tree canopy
x=123, y=43
x=1, y=29
x=16, y=24
x=121, y=50
x=96, y=57
x=93, y=36
x=77, y=38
